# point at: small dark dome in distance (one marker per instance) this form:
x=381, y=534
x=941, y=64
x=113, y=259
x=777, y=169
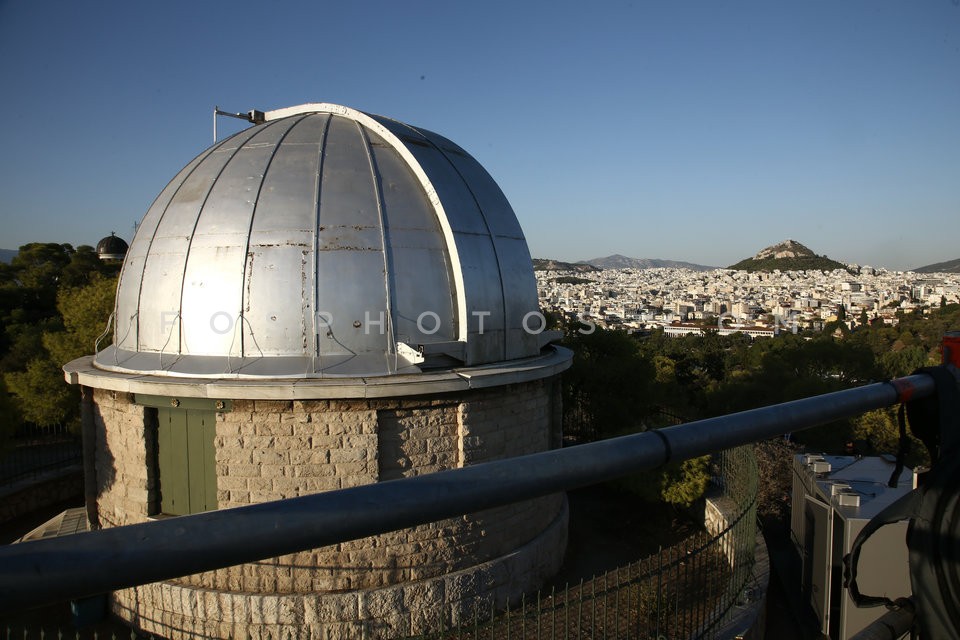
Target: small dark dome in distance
x=112, y=248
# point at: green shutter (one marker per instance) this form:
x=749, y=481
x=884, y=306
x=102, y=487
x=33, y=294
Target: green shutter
x=187, y=460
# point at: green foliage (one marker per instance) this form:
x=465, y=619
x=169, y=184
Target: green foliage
x=54, y=302
x=608, y=384
x=43, y=396
x=679, y=483
x=903, y=361
x=801, y=263
x=85, y=312
x=571, y=280
x=621, y=385
x=9, y=415
x=685, y=483
x=882, y=433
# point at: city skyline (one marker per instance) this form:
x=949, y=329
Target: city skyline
x=697, y=133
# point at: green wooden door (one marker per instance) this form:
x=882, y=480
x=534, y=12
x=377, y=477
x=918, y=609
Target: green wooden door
x=186, y=460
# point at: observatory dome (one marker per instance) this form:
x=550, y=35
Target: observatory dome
x=325, y=242
x=111, y=248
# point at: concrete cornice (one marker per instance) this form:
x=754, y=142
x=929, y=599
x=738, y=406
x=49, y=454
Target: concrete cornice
x=552, y=360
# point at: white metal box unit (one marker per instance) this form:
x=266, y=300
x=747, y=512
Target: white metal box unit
x=834, y=497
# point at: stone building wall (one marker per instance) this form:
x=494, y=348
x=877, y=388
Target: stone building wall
x=126, y=476
x=178, y=611
x=269, y=450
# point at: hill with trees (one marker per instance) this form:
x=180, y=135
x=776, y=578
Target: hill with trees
x=548, y=264
x=788, y=255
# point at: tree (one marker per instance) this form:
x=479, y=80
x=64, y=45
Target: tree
x=678, y=483
x=28, y=294
x=44, y=397
x=882, y=432
x=607, y=386
x=9, y=416
x=902, y=362
x=685, y=483
x=41, y=394
x=85, y=311
x=774, y=480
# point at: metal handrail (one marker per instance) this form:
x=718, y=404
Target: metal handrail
x=45, y=571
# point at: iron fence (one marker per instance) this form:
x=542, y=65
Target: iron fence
x=36, y=452
x=51, y=570
x=688, y=590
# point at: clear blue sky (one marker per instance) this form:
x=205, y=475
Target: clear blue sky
x=699, y=131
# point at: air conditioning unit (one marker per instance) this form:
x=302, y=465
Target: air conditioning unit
x=834, y=497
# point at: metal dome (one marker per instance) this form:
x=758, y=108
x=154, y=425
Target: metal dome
x=112, y=248
x=325, y=242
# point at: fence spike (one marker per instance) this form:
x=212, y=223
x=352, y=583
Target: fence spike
x=580, y=610
x=553, y=613
x=523, y=615
x=538, y=614
x=493, y=620
x=508, y=619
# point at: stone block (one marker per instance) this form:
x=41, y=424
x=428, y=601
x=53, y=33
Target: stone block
x=232, y=483
x=245, y=470
x=306, y=456
x=348, y=455
x=259, y=442
x=274, y=426
x=237, y=416
x=348, y=469
x=260, y=484
x=307, y=429
x=311, y=406
x=272, y=406
x=239, y=497
x=275, y=471
x=314, y=470
x=332, y=607
x=347, y=481
x=381, y=603
x=270, y=457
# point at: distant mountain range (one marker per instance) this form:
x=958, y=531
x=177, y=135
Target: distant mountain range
x=788, y=255
x=779, y=256
x=950, y=266
x=548, y=264
x=618, y=261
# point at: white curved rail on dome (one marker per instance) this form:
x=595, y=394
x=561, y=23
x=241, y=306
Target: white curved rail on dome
x=414, y=165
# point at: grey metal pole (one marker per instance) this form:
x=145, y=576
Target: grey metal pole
x=44, y=571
